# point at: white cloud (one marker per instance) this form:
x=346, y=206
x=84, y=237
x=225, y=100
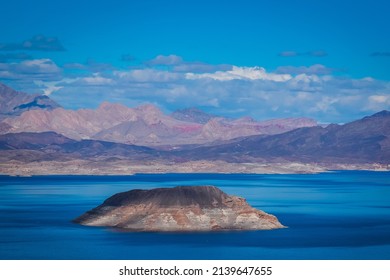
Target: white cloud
x=165, y=60
x=200, y=67
x=306, y=78
x=48, y=87
x=324, y=104
x=44, y=69
x=97, y=80
x=241, y=73
x=316, y=69
x=224, y=89
x=44, y=65
x=378, y=102
x=242, y=90
x=147, y=75
x=379, y=98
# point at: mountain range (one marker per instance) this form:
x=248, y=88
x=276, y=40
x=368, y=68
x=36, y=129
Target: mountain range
x=145, y=125
x=361, y=141
x=121, y=140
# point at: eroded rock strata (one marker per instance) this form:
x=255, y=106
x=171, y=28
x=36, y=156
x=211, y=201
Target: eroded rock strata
x=184, y=208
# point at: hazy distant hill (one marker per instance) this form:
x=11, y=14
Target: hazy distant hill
x=362, y=141
x=27, y=146
x=365, y=140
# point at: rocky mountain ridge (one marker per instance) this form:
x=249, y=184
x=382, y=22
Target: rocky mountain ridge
x=115, y=139
x=360, y=141
x=365, y=141
x=145, y=125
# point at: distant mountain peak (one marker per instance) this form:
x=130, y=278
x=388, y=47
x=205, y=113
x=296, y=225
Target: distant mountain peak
x=383, y=113
x=107, y=106
x=148, y=108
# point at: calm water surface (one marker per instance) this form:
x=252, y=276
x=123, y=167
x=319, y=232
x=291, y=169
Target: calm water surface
x=337, y=215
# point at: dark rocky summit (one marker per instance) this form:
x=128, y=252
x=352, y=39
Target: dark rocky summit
x=184, y=208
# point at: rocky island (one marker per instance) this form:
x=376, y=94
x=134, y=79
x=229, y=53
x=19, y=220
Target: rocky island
x=183, y=208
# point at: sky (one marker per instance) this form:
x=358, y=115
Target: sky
x=328, y=60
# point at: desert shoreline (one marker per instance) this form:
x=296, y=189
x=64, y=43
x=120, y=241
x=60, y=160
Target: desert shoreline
x=218, y=167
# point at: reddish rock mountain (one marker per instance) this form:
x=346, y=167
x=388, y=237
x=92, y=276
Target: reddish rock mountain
x=196, y=208
x=145, y=125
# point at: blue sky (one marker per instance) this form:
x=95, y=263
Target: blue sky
x=329, y=60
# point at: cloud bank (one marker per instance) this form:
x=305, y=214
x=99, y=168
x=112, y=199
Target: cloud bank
x=289, y=91
x=35, y=69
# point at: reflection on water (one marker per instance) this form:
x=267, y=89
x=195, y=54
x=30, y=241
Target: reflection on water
x=339, y=215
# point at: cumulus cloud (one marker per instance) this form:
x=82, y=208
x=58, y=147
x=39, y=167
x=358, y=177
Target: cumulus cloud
x=235, y=91
x=316, y=69
x=147, y=75
x=201, y=67
x=90, y=65
x=36, y=43
x=378, y=102
x=241, y=73
x=259, y=94
x=316, y=53
x=35, y=69
x=96, y=80
x=47, y=87
x=165, y=60
x=177, y=64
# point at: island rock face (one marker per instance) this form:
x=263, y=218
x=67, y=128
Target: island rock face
x=183, y=208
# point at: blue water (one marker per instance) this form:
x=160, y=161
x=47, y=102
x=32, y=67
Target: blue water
x=337, y=215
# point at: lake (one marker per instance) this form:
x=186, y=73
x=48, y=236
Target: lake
x=336, y=215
